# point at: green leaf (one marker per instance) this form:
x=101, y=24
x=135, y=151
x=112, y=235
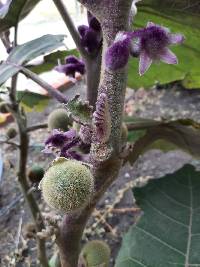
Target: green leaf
x=30, y=101
x=51, y=60
x=21, y=54
x=180, y=16
x=13, y=11
x=80, y=111
x=167, y=234
x=185, y=134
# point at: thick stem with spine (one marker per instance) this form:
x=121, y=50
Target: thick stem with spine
x=112, y=83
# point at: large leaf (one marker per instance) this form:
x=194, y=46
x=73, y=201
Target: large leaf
x=21, y=54
x=30, y=100
x=184, y=134
x=167, y=234
x=180, y=16
x=13, y=11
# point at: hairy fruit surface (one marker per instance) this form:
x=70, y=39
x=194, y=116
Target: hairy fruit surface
x=58, y=119
x=95, y=253
x=67, y=185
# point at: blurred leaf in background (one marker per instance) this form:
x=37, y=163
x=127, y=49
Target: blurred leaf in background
x=180, y=16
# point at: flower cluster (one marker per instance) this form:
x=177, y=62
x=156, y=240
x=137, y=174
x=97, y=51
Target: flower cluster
x=71, y=66
x=91, y=38
x=150, y=44
x=63, y=144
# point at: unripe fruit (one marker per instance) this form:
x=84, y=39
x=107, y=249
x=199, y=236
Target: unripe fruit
x=3, y=107
x=95, y=253
x=35, y=174
x=58, y=119
x=11, y=133
x=124, y=133
x=67, y=185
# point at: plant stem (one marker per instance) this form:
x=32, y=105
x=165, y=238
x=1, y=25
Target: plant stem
x=32, y=204
x=70, y=25
x=50, y=89
x=104, y=173
x=36, y=127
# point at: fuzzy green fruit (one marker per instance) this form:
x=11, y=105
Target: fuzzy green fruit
x=67, y=185
x=3, y=107
x=95, y=253
x=58, y=119
x=35, y=173
x=11, y=133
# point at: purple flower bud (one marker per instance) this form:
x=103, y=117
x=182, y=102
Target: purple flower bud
x=93, y=22
x=72, y=66
x=102, y=119
x=91, y=40
x=82, y=29
x=117, y=54
x=72, y=59
x=85, y=134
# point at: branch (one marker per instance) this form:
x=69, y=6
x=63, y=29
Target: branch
x=71, y=27
x=50, y=89
x=36, y=127
x=10, y=143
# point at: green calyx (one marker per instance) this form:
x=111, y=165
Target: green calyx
x=35, y=173
x=59, y=119
x=11, y=133
x=95, y=253
x=67, y=185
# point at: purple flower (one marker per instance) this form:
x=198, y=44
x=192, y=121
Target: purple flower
x=72, y=66
x=117, y=54
x=63, y=144
x=151, y=44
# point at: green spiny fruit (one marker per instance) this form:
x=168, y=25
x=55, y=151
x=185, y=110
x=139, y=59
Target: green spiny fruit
x=3, y=107
x=67, y=185
x=35, y=173
x=95, y=253
x=59, y=119
x=124, y=134
x=11, y=133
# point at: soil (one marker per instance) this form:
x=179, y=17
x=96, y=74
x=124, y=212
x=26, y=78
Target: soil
x=116, y=211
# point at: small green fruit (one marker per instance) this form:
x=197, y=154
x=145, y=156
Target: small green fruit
x=124, y=134
x=67, y=185
x=35, y=173
x=11, y=133
x=95, y=253
x=59, y=119
x=3, y=107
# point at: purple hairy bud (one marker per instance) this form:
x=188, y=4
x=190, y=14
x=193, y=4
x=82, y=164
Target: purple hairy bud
x=72, y=66
x=117, y=54
x=151, y=43
x=91, y=40
x=93, y=22
x=85, y=134
x=102, y=120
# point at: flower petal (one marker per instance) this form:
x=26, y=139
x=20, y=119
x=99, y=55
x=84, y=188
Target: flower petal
x=145, y=62
x=168, y=57
x=176, y=38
